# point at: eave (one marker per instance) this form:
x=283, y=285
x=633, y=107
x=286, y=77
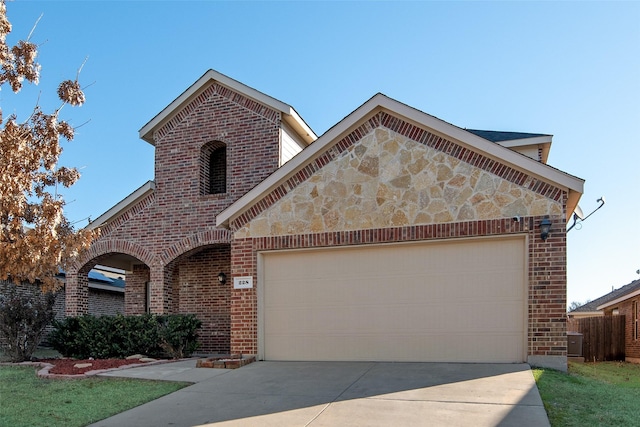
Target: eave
x=289, y=115
x=123, y=205
x=619, y=299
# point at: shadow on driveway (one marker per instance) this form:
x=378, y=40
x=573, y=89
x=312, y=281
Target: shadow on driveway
x=344, y=394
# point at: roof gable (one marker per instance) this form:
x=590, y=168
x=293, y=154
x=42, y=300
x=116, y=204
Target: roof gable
x=290, y=116
x=419, y=126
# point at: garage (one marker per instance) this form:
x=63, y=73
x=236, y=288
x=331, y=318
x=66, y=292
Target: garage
x=458, y=300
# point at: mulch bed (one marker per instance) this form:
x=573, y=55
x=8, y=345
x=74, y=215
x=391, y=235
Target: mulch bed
x=67, y=366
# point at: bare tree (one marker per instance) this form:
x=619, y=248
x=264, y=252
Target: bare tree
x=36, y=239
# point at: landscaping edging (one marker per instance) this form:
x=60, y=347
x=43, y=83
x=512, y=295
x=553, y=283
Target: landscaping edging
x=46, y=367
x=232, y=361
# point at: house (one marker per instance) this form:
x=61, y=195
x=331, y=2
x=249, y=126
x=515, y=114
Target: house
x=626, y=303
x=394, y=236
x=590, y=309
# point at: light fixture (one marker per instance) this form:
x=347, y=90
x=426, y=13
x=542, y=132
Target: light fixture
x=545, y=228
x=222, y=278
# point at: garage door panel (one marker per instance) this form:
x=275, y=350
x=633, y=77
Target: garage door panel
x=452, y=301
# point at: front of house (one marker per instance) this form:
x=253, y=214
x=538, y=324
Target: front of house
x=395, y=236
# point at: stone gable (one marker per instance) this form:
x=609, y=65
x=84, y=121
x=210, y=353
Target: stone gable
x=387, y=179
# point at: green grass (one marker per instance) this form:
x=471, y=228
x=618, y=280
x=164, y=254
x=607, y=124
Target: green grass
x=591, y=394
x=30, y=401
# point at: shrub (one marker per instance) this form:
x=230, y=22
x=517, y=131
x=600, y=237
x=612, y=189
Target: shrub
x=119, y=336
x=178, y=334
x=23, y=319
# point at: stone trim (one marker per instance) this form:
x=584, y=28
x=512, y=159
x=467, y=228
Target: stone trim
x=415, y=133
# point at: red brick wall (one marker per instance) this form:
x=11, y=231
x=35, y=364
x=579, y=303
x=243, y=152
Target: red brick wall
x=201, y=293
x=631, y=345
x=135, y=298
x=177, y=219
x=546, y=273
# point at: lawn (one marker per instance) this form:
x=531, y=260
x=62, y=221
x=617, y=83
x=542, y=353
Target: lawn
x=591, y=394
x=30, y=401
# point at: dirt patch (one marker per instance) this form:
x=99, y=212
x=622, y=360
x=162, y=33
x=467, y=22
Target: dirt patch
x=77, y=367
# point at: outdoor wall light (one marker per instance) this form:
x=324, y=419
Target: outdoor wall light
x=545, y=228
x=222, y=278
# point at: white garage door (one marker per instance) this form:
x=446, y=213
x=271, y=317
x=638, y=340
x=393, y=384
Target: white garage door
x=460, y=301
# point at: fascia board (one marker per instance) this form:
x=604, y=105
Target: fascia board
x=121, y=206
x=94, y=285
x=381, y=102
x=584, y=313
x=619, y=300
x=523, y=142
x=146, y=132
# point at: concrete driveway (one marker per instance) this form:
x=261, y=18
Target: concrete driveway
x=340, y=394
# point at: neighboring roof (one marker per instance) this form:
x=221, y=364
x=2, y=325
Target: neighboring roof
x=594, y=306
x=289, y=115
x=124, y=204
x=629, y=291
x=380, y=102
x=98, y=280
x=501, y=136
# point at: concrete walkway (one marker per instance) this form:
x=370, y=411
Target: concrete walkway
x=340, y=394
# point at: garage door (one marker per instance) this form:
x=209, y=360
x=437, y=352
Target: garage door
x=459, y=301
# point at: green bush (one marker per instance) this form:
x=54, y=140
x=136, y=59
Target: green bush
x=119, y=336
x=23, y=319
x=178, y=334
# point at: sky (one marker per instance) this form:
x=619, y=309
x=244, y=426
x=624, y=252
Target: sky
x=570, y=69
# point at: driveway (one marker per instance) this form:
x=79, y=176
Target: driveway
x=319, y=394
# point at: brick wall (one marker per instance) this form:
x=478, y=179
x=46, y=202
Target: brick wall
x=202, y=294
x=631, y=345
x=546, y=273
x=167, y=229
x=101, y=302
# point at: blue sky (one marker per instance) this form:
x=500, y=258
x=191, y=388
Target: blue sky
x=571, y=69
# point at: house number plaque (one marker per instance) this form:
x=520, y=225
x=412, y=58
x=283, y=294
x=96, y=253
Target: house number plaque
x=245, y=282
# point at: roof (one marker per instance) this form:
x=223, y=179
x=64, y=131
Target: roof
x=619, y=295
x=380, y=102
x=133, y=198
x=501, y=136
x=605, y=300
x=289, y=115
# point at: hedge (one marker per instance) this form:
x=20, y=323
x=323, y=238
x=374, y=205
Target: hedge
x=103, y=337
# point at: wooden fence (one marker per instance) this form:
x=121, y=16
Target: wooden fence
x=602, y=337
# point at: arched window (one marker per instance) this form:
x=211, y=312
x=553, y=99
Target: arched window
x=213, y=168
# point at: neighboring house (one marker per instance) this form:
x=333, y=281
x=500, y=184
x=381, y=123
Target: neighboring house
x=395, y=236
x=626, y=302
x=590, y=309
x=105, y=295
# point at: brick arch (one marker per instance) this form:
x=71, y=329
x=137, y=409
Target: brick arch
x=100, y=248
x=194, y=241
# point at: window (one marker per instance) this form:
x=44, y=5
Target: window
x=213, y=168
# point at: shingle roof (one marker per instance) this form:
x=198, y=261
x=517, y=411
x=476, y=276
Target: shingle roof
x=500, y=136
x=615, y=294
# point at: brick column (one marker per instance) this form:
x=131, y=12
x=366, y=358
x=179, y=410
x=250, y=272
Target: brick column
x=135, y=291
x=244, y=302
x=161, y=290
x=77, y=292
